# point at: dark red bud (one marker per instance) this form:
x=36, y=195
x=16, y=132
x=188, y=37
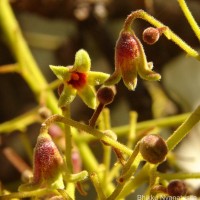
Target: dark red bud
x=106, y=95
x=176, y=188
x=153, y=148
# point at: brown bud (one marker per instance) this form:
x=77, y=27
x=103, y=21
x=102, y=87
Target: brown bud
x=153, y=148
x=106, y=95
x=151, y=35
x=176, y=188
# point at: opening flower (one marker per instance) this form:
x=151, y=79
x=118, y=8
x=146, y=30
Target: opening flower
x=130, y=59
x=78, y=79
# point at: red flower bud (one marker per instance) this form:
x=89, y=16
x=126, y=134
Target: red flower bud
x=47, y=160
x=47, y=165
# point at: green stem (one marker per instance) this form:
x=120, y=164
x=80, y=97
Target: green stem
x=68, y=149
x=161, y=122
x=87, y=157
x=27, y=145
x=27, y=65
x=183, y=130
x=34, y=193
x=107, y=149
x=68, y=139
x=168, y=33
x=172, y=176
x=85, y=128
x=132, y=132
x=190, y=18
x=95, y=180
x=132, y=185
x=20, y=123
x=91, y=163
x=128, y=171
x=9, y=68
x=131, y=165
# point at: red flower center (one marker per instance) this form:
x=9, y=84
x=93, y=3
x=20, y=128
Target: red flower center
x=77, y=80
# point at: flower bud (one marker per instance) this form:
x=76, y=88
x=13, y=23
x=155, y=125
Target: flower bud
x=176, y=188
x=153, y=148
x=47, y=165
x=47, y=160
x=105, y=95
x=130, y=59
x=151, y=35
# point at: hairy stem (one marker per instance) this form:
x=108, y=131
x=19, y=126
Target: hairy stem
x=86, y=128
x=168, y=33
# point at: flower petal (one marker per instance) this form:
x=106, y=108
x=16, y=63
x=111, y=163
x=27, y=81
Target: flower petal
x=145, y=72
x=114, y=78
x=87, y=94
x=67, y=96
x=61, y=72
x=82, y=61
x=129, y=76
x=97, y=78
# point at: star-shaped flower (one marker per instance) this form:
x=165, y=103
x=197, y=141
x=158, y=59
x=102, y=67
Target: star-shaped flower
x=130, y=59
x=78, y=79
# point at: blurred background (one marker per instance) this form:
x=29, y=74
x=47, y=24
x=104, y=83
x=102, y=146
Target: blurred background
x=56, y=29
